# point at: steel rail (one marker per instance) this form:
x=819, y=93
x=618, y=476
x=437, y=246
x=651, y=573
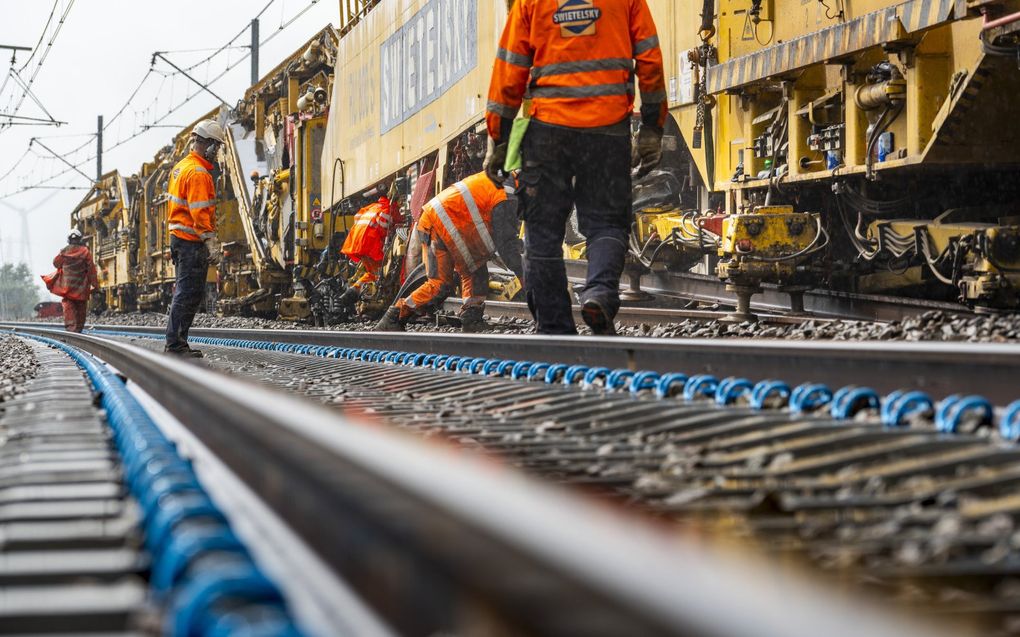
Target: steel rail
x=437, y=542
x=817, y=302
x=989, y=369
x=634, y=314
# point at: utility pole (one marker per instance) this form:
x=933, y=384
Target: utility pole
x=99, y=148
x=254, y=51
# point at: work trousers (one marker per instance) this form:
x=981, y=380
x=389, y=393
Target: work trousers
x=371, y=275
x=563, y=169
x=442, y=272
x=191, y=262
x=74, y=314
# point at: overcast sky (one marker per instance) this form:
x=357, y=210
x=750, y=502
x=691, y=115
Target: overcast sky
x=100, y=55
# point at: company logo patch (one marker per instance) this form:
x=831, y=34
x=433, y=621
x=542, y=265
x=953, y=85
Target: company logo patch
x=177, y=173
x=577, y=17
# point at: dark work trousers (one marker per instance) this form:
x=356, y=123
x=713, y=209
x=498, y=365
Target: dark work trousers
x=566, y=168
x=191, y=261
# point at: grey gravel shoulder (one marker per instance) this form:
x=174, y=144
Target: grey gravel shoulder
x=17, y=366
x=929, y=326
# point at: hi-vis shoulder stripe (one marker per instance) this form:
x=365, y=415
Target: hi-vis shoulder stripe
x=476, y=216
x=868, y=30
x=458, y=241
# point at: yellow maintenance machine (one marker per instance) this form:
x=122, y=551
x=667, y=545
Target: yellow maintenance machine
x=106, y=219
x=274, y=144
x=866, y=146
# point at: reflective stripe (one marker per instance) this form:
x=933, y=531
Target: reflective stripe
x=646, y=45
x=513, y=58
x=183, y=228
x=207, y=235
x=177, y=200
x=654, y=97
x=476, y=216
x=583, y=66
x=202, y=204
x=202, y=170
x=501, y=109
x=595, y=90
x=458, y=241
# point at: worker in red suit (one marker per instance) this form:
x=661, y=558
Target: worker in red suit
x=364, y=243
x=75, y=280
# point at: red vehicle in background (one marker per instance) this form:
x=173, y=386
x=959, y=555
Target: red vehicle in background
x=48, y=309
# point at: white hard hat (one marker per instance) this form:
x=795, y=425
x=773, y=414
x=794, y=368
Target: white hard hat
x=210, y=129
x=74, y=235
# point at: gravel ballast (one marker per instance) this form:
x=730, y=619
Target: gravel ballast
x=929, y=326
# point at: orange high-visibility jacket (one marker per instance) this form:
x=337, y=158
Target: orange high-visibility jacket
x=192, y=197
x=367, y=237
x=461, y=216
x=580, y=56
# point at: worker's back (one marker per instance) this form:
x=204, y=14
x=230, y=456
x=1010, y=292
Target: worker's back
x=462, y=216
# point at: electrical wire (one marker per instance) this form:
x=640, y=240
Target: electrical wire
x=42, y=60
x=146, y=127
x=42, y=35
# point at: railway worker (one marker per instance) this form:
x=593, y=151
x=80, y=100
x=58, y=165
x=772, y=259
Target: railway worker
x=460, y=229
x=76, y=279
x=193, y=243
x=365, y=242
x=581, y=57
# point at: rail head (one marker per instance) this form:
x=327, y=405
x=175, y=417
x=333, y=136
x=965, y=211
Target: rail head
x=425, y=532
x=938, y=368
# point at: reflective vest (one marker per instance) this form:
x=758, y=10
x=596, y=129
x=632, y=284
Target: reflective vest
x=192, y=197
x=580, y=56
x=461, y=216
x=367, y=237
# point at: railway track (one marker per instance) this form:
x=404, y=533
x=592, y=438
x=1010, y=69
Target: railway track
x=918, y=511
x=772, y=300
x=366, y=531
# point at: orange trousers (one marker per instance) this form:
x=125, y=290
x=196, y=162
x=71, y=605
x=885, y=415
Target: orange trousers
x=442, y=272
x=371, y=274
x=74, y=314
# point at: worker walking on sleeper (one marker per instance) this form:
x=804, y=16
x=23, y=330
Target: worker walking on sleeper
x=193, y=243
x=460, y=230
x=576, y=60
x=74, y=280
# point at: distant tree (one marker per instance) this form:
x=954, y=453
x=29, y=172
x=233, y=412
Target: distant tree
x=18, y=292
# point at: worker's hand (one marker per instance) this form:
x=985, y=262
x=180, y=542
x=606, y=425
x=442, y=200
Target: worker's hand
x=648, y=150
x=212, y=244
x=494, y=163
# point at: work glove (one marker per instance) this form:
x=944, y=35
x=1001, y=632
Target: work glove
x=494, y=163
x=648, y=150
x=212, y=244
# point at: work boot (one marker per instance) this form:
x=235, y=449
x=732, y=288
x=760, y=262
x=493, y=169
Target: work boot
x=391, y=321
x=184, y=352
x=472, y=321
x=350, y=297
x=595, y=316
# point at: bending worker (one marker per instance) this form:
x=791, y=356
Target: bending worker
x=193, y=243
x=581, y=58
x=365, y=242
x=460, y=230
x=75, y=281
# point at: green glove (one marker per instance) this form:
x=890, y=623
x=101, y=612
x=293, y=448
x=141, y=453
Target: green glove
x=513, y=155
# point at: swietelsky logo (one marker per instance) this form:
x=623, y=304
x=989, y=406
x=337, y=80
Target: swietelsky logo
x=577, y=17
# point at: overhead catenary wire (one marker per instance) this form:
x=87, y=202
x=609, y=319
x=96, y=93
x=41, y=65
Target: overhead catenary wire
x=146, y=126
x=42, y=60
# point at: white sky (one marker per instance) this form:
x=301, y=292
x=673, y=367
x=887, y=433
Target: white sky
x=100, y=55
